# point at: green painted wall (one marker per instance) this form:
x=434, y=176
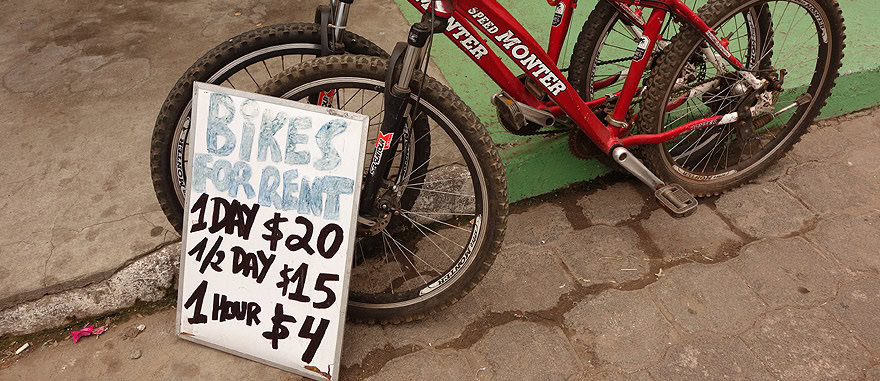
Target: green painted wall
x=538, y=165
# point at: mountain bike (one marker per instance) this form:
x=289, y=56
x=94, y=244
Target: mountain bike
x=717, y=103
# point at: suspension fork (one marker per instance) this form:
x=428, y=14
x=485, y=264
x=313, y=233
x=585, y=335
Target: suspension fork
x=332, y=21
x=397, y=119
x=340, y=10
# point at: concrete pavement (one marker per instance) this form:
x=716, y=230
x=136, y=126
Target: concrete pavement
x=82, y=84
x=779, y=279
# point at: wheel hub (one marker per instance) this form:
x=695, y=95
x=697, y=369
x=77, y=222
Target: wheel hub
x=387, y=207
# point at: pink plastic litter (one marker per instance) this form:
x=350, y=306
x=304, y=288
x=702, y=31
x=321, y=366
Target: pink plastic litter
x=89, y=330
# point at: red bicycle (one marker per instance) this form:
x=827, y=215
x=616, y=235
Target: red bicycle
x=710, y=99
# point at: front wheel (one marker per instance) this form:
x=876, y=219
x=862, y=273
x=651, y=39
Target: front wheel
x=446, y=191
x=799, y=60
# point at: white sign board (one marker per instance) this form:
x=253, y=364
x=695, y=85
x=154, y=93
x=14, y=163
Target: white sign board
x=270, y=228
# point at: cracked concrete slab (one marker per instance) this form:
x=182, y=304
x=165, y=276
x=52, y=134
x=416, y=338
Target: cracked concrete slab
x=801, y=344
x=22, y=267
x=764, y=210
x=820, y=144
x=360, y=341
x=549, y=356
x=776, y=171
x=873, y=374
x=708, y=299
x=439, y=329
x=629, y=196
x=852, y=240
x=858, y=128
x=625, y=329
x=446, y=363
x=601, y=254
x=523, y=278
x=858, y=308
x=708, y=357
x=830, y=187
x=700, y=233
x=529, y=227
x=787, y=272
x=614, y=375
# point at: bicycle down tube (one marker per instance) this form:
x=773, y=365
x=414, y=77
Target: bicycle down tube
x=496, y=23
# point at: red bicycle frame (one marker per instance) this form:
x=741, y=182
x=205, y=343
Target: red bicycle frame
x=499, y=26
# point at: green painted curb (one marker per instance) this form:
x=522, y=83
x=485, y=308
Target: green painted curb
x=539, y=165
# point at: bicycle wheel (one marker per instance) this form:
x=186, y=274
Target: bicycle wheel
x=243, y=62
x=430, y=251
x=800, y=59
x=606, y=44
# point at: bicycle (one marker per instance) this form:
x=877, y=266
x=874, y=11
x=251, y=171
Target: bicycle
x=710, y=119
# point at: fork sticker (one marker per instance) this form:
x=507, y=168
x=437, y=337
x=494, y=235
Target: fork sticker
x=383, y=142
x=384, y=139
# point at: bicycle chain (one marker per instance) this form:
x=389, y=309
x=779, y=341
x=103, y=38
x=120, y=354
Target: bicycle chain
x=619, y=60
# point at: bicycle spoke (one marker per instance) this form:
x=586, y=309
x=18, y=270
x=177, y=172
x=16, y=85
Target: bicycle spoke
x=435, y=220
x=252, y=77
x=400, y=247
x=267, y=68
x=413, y=223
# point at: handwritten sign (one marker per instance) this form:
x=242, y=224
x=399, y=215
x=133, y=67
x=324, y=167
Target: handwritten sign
x=271, y=212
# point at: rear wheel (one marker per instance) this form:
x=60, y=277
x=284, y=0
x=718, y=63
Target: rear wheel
x=446, y=189
x=603, y=53
x=800, y=60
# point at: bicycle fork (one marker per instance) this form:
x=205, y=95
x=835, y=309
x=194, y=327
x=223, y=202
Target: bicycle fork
x=395, y=128
x=332, y=21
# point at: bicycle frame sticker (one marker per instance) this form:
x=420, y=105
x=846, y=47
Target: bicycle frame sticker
x=529, y=61
x=642, y=48
x=471, y=44
x=384, y=140
x=325, y=99
x=558, y=15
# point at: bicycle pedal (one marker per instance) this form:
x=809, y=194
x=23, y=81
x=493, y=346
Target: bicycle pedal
x=676, y=199
x=519, y=118
x=509, y=113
